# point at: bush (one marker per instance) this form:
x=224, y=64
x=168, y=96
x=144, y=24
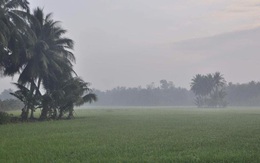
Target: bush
x=4, y=117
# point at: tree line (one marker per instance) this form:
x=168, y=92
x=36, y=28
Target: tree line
x=227, y=94
x=34, y=46
x=247, y=94
x=166, y=94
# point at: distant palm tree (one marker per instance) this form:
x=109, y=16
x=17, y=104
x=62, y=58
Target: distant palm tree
x=219, y=80
x=209, y=89
x=218, y=91
x=196, y=84
x=202, y=85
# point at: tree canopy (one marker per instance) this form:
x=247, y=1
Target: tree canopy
x=35, y=46
x=209, y=90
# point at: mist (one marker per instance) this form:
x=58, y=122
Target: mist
x=133, y=43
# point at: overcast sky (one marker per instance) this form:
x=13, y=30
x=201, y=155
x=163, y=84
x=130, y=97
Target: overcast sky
x=128, y=42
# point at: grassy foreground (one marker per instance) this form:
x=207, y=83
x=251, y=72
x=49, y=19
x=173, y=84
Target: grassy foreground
x=137, y=135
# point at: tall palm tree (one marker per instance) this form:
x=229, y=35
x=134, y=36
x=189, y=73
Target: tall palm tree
x=47, y=56
x=50, y=56
x=48, y=52
x=13, y=24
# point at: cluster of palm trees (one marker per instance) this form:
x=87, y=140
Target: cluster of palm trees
x=33, y=45
x=209, y=90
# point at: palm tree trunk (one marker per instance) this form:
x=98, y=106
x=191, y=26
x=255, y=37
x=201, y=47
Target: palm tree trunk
x=54, y=114
x=44, y=112
x=25, y=113
x=70, y=111
x=60, y=113
x=31, y=116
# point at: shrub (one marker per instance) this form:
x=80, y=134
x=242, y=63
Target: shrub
x=4, y=117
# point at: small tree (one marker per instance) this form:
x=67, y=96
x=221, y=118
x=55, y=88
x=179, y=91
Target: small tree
x=30, y=100
x=65, y=95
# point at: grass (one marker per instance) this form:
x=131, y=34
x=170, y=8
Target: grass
x=137, y=135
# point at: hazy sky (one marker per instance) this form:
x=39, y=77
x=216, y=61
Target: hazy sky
x=126, y=42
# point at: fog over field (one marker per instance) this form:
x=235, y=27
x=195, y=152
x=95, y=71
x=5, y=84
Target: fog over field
x=153, y=81
x=132, y=42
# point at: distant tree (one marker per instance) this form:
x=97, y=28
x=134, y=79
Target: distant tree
x=246, y=94
x=202, y=86
x=209, y=90
x=166, y=94
x=218, y=94
x=6, y=94
x=166, y=85
x=10, y=104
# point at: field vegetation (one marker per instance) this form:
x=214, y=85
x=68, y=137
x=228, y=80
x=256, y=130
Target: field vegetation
x=137, y=135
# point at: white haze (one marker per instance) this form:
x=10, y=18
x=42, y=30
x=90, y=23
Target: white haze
x=136, y=42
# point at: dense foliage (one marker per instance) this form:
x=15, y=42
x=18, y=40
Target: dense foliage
x=10, y=104
x=34, y=46
x=209, y=90
x=246, y=94
x=4, y=117
x=164, y=95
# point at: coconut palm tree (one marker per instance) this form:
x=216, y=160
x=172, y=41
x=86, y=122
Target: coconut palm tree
x=49, y=54
x=11, y=19
x=218, y=91
x=219, y=80
x=44, y=53
x=202, y=86
x=209, y=89
x=12, y=34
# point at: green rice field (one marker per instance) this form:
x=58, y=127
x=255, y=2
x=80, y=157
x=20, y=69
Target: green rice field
x=137, y=135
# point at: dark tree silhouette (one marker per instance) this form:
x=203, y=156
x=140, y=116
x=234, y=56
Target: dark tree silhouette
x=209, y=90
